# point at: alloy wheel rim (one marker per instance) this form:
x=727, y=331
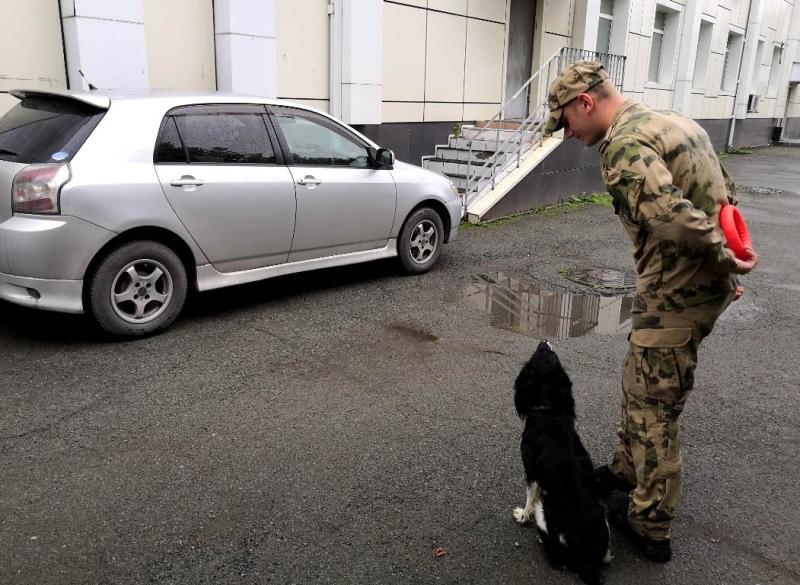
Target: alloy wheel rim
x=424, y=240
x=141, y=291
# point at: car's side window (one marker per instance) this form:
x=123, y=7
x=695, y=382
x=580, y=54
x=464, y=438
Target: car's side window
x=170, y=147
x=315, y=141
x=224, y=137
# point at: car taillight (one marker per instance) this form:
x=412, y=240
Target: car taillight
x=36, y=187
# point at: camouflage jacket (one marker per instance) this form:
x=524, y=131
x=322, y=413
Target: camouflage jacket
x=668, y=185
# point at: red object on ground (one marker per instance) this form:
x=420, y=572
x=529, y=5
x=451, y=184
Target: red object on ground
x=735, y=229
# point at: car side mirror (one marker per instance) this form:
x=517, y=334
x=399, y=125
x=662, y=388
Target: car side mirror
x=384, y=159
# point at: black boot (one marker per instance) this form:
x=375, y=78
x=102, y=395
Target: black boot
x=658, y=551
x=605, y=482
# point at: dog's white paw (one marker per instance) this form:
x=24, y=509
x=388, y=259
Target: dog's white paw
x=521, y=516
x=608, y=558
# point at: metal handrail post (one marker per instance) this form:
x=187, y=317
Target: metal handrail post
x=497, y=143
x=469, y=168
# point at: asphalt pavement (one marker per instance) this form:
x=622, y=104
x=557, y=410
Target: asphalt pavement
x=341, y=426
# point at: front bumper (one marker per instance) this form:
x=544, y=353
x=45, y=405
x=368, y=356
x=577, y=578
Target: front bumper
x=456, y=209
x=64, y=296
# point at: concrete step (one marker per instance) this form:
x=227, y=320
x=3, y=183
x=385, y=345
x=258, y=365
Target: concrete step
x=461, y=183
x=503, y=124
x=449, y=168
x=487, y=145
x=456, y=155
x=488, y=133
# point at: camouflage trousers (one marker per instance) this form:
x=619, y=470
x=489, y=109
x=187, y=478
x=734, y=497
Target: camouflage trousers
x=657, y=377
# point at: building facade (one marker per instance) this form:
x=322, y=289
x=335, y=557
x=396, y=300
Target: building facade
x=406, y=71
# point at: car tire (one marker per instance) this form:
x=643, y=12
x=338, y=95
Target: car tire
x=421, y=239
x=136, y=289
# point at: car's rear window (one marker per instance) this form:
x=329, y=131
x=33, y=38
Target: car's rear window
x=43, y=129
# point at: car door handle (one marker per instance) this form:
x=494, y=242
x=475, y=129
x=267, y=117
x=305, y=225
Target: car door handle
x=186, y=181
x=308, y=180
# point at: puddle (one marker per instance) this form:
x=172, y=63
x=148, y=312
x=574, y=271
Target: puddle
x=603, y=278
x=527, y=309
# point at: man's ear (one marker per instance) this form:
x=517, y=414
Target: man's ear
x=586, y=102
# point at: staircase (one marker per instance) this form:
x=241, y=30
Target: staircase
x=490, y=158
x=475, y=155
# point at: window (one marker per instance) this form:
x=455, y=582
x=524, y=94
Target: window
x=664, y=43
x=752, y=103
x=314, y=140
x=733, y=55
x=170, y=148
x=703, y=55
x=657, y=46
x=758, y=83
x=604, y=26
x=46, y=129
x=774, y=71
x=218, y=135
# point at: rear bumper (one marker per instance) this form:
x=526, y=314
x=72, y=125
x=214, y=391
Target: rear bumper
x=56, y=248
x=64, y=296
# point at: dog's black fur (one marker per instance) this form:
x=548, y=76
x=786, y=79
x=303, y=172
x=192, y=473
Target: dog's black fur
x=558, y=470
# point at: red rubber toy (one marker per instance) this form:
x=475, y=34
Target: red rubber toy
x=735, y=229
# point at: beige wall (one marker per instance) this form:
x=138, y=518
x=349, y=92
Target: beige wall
x=302, y=37
x=443, y=60
x=715, y=103
x=710, y=101
x=180, y=44
x=31, y=50
x=775, y=28
x=557, y=29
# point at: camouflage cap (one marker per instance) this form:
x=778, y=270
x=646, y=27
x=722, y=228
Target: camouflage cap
x=575, y=79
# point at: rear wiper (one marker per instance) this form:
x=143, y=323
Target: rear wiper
x=6, y=151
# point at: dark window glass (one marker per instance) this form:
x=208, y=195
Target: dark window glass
x=225, y=138
x=170, y=149
x=44, y=129
x=316, y=141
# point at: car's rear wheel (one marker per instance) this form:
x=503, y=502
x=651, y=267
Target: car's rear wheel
x=421, y=239
x=137, y=289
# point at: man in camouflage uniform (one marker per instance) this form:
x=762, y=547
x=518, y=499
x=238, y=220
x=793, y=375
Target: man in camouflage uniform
x=667, y=186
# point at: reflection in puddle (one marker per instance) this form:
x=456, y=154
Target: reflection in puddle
x=603, y=278
x=527, y=309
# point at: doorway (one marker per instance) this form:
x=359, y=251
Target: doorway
x=519, y=58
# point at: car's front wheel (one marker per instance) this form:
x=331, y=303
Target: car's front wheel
x=137, y=289
x=421, y=239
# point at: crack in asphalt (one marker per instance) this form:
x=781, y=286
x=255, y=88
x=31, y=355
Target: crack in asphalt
x=57, y=421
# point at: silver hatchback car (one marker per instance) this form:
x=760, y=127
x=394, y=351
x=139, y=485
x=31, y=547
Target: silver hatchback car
x=118, y=205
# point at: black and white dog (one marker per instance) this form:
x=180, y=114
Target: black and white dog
x=558, y=470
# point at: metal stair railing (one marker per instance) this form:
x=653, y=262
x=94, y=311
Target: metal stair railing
x=535, y=114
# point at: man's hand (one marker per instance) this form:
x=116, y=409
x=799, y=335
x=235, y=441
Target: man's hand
x=746, y=265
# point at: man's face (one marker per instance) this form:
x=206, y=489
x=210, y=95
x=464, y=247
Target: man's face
x=581, y=120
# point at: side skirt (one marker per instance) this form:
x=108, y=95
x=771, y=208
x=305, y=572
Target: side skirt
x=209, y=278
